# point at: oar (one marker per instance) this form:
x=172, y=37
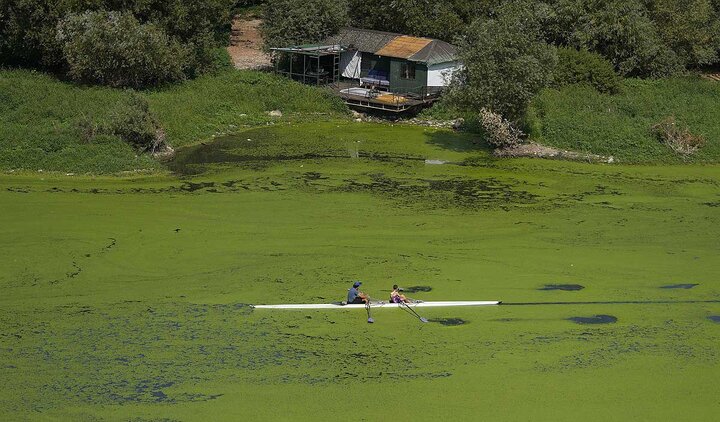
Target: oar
x=367, y=307
x=404, y=305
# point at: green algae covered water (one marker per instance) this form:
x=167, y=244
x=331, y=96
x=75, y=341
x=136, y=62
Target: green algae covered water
x=128, y=298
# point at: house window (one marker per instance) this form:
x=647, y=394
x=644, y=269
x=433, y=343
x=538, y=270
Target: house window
x=407, y=70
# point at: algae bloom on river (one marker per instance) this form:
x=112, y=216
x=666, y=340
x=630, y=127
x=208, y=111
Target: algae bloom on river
x=127, y=298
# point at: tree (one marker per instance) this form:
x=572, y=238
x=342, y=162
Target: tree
x=690, y=28
x=296, y=22
x=28, y=27
x=620, y=30
x=442, y=19
x=113, y=48
x=506, y=61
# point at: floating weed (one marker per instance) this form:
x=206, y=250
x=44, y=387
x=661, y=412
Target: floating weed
x=597, y=319
x=564, y=287
x=449, y=322
x=416, y=289
x=680, y=286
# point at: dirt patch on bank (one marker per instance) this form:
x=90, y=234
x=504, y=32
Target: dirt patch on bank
x=246, y=44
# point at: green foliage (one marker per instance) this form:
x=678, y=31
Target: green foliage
x=620, y=30
x=581, y=66
x=296, y=22
x=442, y=19
x=579, y=118
x=28, y=27
x=111, y=48
x=506, y=62
x=691, y=28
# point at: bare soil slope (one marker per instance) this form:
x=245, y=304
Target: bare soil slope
x=246, y=44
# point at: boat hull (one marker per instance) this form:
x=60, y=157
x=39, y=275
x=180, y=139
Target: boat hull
x=376, y=305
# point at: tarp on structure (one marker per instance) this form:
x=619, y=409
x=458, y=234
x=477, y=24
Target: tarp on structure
x=350, y=64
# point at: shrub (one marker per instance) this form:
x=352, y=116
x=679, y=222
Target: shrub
x=114, y=49
x=133, y=122
x=677, y=137
x=295, y=22
x=499, y=132
x=582, y=66
x=506, y=62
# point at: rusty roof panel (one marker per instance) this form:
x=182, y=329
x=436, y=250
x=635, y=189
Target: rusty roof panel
x=403, y=47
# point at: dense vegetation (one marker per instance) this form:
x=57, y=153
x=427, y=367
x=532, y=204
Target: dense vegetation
x=46, y=124
x=31, y=34
x=114, y=49
x=288, y=23
x=506, y=62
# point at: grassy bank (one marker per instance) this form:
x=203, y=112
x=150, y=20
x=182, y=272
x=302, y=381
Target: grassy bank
x=41, y=117
x=581, y=119
x=40, y=121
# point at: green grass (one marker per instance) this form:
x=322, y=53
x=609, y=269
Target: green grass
x=123, y=299
x=40, y=117
x=218, y=104
x=579, y=118
x=39, y=127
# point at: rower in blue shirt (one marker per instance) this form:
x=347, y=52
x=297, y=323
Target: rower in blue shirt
x=355, y=296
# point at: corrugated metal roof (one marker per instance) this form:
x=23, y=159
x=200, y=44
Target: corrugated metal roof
x=365, y=40
x=423, y=50
x=436, y=52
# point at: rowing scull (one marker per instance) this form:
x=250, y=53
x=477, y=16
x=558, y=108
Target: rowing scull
x=339, y=305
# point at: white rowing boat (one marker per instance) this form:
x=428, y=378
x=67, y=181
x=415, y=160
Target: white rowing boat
x=375, y=305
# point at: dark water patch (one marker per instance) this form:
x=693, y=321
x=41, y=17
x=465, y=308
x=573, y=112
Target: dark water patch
x=232, y=150
x=311, y=175
x=680, y=286
x=192, y=187
x=597, y=319
x=18, y=190
x=449, y=322
x=76, y=272
x=564, y=287
x=714, y=318
x=416, y=289
x=482, y=190
x=458, y=192
x=110, y=245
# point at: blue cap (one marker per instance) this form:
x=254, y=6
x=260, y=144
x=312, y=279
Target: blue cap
x=357, y=284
